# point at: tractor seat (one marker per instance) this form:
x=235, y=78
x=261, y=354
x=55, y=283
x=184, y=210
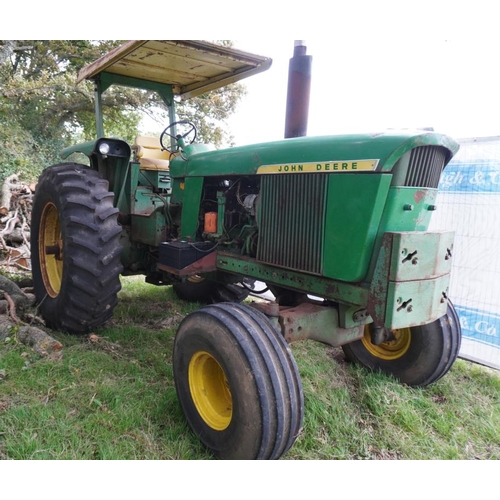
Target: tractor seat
x=149, y=153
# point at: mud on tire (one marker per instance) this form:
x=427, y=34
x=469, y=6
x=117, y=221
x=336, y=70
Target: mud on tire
x=75, y=248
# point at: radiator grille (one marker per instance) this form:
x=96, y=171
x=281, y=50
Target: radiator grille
x=292, y=214
x=425, y=167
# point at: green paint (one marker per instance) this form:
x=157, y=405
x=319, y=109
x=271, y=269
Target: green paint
x=191, y=206
x=87, y=148
x=412, y=303
x=396, y=217
x=405, y=291
x=387, y=148
x=313, y=285
x=355, y=203
x=155, y=179
x=308, y=321
x=148, y=229
x=421, y=255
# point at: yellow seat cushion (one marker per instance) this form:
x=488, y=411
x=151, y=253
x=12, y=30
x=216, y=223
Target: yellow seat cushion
x=149, y=153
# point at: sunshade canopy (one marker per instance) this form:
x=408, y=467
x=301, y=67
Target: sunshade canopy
x=190, y=67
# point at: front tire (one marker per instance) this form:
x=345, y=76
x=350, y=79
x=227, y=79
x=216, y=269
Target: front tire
x=416, y=356
x=75, y=248
x=237, y=382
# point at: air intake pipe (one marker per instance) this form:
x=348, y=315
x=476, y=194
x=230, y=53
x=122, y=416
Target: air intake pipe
x=299, y=87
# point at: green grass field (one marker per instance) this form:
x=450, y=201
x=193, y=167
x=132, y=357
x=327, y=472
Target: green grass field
x=111, y=396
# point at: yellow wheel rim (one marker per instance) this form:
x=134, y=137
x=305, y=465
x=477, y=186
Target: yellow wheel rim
x=391, y=349
x=210, y=390
x=50, y=250
x=196, y=279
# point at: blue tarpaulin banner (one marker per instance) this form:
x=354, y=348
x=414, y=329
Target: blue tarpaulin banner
x=480, y=177
x=468, y=203
x=479, y=325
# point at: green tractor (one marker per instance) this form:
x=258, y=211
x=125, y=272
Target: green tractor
x=335, y=227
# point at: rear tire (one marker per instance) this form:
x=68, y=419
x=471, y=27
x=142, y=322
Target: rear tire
x=237, y=382
x=417, y=356
x=206, y=291
x=75, y=248
x=194, y=289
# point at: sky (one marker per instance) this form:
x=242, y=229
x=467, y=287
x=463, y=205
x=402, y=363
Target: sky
x=450, y=84
x=376, y=64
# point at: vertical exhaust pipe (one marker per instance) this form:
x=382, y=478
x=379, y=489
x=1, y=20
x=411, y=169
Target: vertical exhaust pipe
x=299, y=87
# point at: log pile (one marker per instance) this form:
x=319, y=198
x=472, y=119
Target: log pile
x=15, y=213
x=17, y=317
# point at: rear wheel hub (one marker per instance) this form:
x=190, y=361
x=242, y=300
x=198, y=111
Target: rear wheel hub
x=50, y=249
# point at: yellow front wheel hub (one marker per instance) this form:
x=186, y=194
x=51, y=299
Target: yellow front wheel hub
x=50, y=250
x=196, y=279
x=210, y=390
x=389, y=350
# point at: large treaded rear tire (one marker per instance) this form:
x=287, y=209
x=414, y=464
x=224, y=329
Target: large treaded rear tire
x=237, y=382
x=75, y=245
x=418, y=356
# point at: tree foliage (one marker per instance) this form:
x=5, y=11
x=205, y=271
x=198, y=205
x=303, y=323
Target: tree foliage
x=42, y=110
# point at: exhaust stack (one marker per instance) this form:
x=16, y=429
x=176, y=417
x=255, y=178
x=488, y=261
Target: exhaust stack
x=299, y=87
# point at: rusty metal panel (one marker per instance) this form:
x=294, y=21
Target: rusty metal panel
x=347, y=293
x=204, y=265
x=404, y=294
x=310, y=321
x=292, y=215
x=413, y=303
x=421, y=255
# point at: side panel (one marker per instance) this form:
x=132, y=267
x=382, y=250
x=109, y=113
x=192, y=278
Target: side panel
x=355, y=203
x=191, y=206
x=406, y=209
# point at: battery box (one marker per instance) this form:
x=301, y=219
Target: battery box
x=179, y=254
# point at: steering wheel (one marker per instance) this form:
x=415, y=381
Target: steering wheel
x=179, y=138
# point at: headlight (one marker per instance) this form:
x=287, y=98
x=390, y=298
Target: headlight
x=104, y=148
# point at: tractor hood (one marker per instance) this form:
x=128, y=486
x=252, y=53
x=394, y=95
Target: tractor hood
x=367, y=152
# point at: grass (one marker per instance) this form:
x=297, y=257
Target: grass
x=112, y=397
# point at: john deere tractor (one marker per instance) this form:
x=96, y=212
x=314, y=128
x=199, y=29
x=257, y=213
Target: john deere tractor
x=333, y=228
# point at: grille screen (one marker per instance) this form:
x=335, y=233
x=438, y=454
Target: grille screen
x=292, y=214
x=425, y=167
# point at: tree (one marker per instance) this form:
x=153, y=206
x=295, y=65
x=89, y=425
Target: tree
x=42, y=110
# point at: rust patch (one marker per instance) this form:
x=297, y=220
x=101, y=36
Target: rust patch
x=204, y=265
x=418, y=196
x=332, y=289
x=268, y=308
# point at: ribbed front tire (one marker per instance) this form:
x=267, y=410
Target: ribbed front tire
x=416, y=356
x=237, y=382
x=75, y=247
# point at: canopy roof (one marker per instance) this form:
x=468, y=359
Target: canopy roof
x=191, y=67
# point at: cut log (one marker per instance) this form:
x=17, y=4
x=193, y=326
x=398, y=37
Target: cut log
x=42, y=343
x=6, y=193
x=15, y=293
